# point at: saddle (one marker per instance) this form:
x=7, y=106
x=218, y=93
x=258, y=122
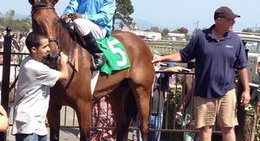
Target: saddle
x=115, y=60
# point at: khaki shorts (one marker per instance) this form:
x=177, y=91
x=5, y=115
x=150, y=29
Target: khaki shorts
x=207, y=110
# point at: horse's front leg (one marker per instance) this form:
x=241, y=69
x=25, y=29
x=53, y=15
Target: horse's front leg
x=53, y=116
x=83, y=111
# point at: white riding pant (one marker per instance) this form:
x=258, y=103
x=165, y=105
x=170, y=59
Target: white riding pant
x=84, y=26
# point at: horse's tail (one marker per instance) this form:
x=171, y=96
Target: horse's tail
x=131, y=107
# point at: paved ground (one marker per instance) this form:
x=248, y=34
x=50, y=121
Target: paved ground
x=68, y=118
x=66, y=134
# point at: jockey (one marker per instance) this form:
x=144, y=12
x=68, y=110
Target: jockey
x=92, y=20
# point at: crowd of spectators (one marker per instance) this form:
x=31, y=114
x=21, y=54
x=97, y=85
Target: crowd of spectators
x=17, y=46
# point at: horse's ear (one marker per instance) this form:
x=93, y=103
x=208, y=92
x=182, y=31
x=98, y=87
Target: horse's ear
x=31, y=2
x=54, y=1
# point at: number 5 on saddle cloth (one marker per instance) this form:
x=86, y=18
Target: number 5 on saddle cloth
x=117, y=58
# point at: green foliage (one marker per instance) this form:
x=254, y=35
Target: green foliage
x=165, y=32
x=23, y=25
x=196, y=31
x=174, y=99
x=257, y=128
x=247, y=30
x=183, y=30
x=124, y=9
x=252, y=119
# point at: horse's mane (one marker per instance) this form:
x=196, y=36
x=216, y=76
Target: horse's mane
x=73, y=34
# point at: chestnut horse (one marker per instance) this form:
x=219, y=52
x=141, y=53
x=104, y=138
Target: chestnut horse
x=137, y=79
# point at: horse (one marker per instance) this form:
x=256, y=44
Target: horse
x=76, y=92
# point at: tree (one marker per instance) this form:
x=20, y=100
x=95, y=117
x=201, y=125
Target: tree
x=196, y=31
x=183, y=30
x=23, y=25
x=10, y=14
x=247, y=30
x=165, y=32
x=155, y=29
x=124, y=9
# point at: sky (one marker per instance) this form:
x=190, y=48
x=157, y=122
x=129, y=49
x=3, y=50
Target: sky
x=170, y=14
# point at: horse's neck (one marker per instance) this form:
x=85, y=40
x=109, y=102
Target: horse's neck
x=72, y=33
x=71, y=43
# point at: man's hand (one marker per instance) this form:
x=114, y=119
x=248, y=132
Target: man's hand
x=64, y=17
x=157, y=59
x=63, y=58
x=245, y=98
x=74, y=16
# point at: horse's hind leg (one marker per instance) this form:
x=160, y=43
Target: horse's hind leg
x=54, y=121
x=142, y=88
x=143, y=102
x=117, y=98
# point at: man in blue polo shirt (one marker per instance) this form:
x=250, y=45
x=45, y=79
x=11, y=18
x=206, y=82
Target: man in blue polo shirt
x=219, y=53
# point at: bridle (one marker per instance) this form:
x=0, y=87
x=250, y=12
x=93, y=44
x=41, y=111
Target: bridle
x=44, y=7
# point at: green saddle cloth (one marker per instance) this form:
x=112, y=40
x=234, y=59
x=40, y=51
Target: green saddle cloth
x=117, y=58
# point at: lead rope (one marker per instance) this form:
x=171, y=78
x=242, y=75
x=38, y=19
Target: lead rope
x=74, y=70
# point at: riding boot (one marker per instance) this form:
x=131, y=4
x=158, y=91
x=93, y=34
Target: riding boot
x=99, y=58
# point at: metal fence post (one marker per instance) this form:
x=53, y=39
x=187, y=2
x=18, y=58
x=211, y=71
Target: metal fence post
x=6, y=75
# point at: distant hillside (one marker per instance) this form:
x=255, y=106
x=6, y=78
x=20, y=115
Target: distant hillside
x=16, y=16
x=144, y=24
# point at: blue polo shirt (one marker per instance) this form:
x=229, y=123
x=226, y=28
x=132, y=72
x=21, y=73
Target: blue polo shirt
x=215, y=62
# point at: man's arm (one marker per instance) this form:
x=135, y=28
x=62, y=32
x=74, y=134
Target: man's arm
x=63, y=67
x=243, y=75
x=176, y=57
x=105, y=15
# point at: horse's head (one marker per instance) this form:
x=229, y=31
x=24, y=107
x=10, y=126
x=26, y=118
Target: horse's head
x=45, y=20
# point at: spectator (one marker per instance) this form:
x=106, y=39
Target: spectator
x=219, y=53
x=102, y=116
x=1, y=43
x=158, y=98
x=1, y=37
x=15, y=42
x=33, y=90
x=23, y=48
x=162, y=83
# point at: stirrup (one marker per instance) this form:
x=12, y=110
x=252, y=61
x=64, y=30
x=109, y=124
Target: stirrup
x=99, y=61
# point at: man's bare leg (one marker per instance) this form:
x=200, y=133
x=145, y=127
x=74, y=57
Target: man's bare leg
x=206, y=133
x=228, y=134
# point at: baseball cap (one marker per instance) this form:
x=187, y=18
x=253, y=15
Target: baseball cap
x=225, y=12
